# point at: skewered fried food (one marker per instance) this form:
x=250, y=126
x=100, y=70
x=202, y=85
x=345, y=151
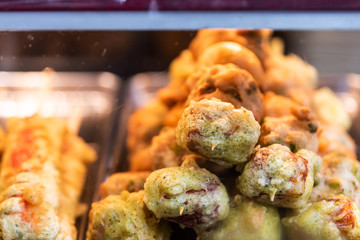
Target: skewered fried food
x=247, y=220
x=339, y=174
x=278, y=177
x=118, y=182
x=335, y=218
x=297, y=131
x=38, y=196
x=187, y=195
x=125, y=216
x=218, y=131
x=227, y=83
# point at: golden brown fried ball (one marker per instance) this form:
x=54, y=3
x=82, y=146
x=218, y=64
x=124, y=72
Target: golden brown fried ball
x=218, y=131
x=333, y=218
x=231, y=52
x=229, y=84
x=278, y=106
x=278, y=177
x=125, y=216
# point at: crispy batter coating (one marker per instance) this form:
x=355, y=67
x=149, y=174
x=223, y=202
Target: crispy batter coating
x=125, y=216
x=339, y=174
x=256, y=41
x=231, y=52
x=23, y=220
x=330, y=109
x=181, y=67
x=140, y=132
x=118, y=182
x=218, y=131
x=278, y=106
x=295, y=131
x=278, y=177
x=164, y=151
x=334, y=218
x=335, y=138
x=247, y=220
x=187, y=195
x=229, y=84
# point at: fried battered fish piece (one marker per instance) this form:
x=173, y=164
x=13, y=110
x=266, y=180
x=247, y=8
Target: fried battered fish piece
x=339, y=174
x=229, y=84
x=118, y=182
x=125, y=216
x=256, y=41
x=188, y=195
x=231, y=52
x=278, y=177
x=334, y=218
x=298, y=131
x=247, y=220
x=330, y=109
x=218, y=131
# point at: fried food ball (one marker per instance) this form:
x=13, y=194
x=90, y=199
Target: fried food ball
x=218, y=131
x=336, y=138
x=231, y=52
x=247, y=220
x=330, y=109
x=287, y=73
x=125, y=216
x=140, y=132
x=277, y=177
x=188, y=195
x=118, y=182
x=181, y=67
x=339, y=174
x=278, y=106
x=229, y=84
x=173, y=115
x=20, y=219
x=334, y=218
x=141, y=160
x=164, y=151
x=297, y=131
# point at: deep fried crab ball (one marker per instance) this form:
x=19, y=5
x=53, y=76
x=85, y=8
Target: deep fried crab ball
x=256, y=41
x=247, y=220
x=298, y=131
x=118, y=182
x=229, y=84
x=231, y=52
x=339, y=174
x=278, y=177
x=125, y=216
x=187, y=195
x=333, y=218
x=218, y=131
x=164, y=151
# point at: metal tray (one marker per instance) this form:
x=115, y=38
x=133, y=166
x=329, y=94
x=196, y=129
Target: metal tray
x=90, y=101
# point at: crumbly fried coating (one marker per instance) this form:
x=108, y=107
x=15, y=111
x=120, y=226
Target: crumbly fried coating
x=333, y=218
x=339, y=174
x=229, y=84
x=297, y=131
x=125, y=216
x=329, y=108
x=187, y=195
x=231, y=52
x=218, y=131
x=278, y=106
x=278, y=177
x=248, y=220
x=118, y=182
